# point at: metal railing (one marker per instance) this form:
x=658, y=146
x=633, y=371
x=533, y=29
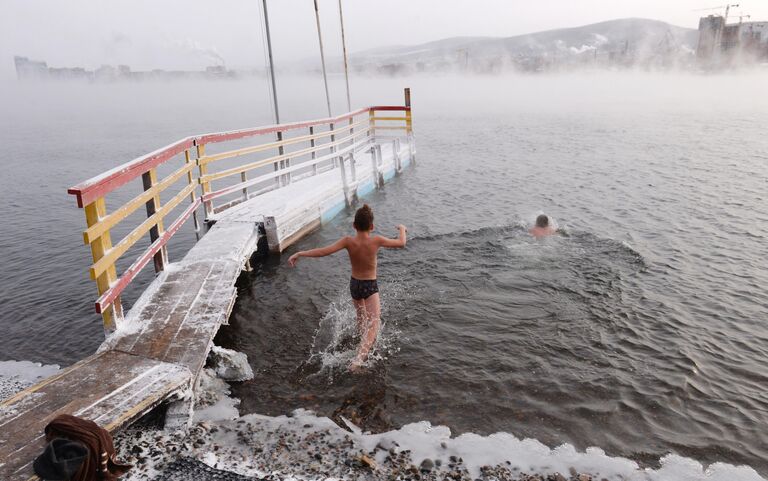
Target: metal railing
x=320, y=145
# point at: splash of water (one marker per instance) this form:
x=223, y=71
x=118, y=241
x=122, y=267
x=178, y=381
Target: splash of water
x=335, y=342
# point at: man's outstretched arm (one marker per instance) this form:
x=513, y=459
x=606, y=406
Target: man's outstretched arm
x=319, y=252
x=395, y=243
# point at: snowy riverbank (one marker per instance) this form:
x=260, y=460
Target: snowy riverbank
x=18, y=375
x=307, y=447
x=303, y=446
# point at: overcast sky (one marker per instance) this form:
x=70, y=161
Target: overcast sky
x=190, y=34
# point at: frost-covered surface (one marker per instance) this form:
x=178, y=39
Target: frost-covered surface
x=229, y=365
x=213, y=400
x=224, y=245
x=18, y=375
x=132, y=323
x=304, y=446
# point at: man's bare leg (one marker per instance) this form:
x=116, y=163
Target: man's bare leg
x=362, y=314
x=370, y=331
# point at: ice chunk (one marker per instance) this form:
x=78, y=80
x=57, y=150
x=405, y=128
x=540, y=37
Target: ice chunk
x=229, y=365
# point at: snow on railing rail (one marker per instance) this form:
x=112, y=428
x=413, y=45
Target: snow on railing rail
x=354, y=129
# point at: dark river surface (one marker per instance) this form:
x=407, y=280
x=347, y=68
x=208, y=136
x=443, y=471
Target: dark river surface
x=640, y=329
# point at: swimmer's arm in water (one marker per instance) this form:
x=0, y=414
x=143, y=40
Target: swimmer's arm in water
x=394, y=243
x=319, y=252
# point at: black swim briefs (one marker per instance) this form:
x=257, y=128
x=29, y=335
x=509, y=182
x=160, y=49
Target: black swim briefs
x=362, y=289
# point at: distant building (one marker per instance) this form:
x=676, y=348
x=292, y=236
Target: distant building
x=26, y=68
x=710, y=30
x=754, y=36
x=124, y=71
x=721, y=44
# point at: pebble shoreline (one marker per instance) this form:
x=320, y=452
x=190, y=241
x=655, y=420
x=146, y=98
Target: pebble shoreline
x=261, y=452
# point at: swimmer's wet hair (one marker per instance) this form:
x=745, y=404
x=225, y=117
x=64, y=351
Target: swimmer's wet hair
x=363, y=218
x=542, y=221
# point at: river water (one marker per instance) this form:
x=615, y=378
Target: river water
x=640, y=328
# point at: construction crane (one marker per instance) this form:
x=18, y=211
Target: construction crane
x=726, y=7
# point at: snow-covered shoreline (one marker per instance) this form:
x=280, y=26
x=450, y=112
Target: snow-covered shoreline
x=304, y=446
x=18, y=375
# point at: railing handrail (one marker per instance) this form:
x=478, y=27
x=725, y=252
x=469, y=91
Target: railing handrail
x=271, y=175
x=104, y=183
x=213, y=138
x=288, y=155
x=344, y=141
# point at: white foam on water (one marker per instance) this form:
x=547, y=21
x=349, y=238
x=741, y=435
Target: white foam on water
x=18, y=375
x=332, y=344
x=336, y=339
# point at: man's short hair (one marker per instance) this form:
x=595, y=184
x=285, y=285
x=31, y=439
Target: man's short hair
x=363, y=218
x=542, y=221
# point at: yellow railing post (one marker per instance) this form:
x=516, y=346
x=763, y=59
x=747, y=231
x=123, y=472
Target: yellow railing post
x=206, y=185
x=408, y=119
x=101, y=245
x=149, y=180
x=372, y=124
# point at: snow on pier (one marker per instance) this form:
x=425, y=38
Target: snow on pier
x=290, y=181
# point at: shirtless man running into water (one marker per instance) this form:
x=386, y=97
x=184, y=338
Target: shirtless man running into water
x=362, y=249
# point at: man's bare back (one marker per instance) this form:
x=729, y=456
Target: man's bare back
x=363, y=251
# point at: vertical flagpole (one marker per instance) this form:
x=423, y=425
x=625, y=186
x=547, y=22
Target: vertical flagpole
x=344, y=48
x=322, y=59
x=271, y=62
x=280, y=150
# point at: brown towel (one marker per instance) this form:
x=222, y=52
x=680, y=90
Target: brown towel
x=100, y=464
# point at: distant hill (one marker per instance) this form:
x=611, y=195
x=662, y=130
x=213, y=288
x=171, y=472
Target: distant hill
x=617, y=42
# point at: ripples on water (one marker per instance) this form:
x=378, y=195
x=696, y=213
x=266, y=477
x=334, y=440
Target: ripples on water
x=640, y=329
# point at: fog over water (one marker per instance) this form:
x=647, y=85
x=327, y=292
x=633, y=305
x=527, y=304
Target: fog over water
x=183, y=34
x=640, y=330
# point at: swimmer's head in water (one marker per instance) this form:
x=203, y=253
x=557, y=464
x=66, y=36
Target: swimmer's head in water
x=542, y=221
x=363, y=219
